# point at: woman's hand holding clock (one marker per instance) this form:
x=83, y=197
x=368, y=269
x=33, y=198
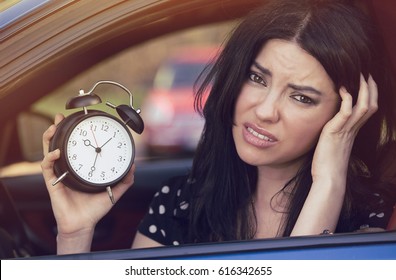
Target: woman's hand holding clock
x=76, y=213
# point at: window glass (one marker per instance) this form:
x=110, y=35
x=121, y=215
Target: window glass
x=159, y=64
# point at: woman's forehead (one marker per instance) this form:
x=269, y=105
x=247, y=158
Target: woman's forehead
x=285, y=51
x=288, y=59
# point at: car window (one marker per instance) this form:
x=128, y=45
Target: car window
x=164, y=62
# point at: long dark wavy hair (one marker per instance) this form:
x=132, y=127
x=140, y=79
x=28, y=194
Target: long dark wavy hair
x=344, y=41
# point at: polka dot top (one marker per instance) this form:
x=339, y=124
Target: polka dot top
x=167, y=218
x=373, y=212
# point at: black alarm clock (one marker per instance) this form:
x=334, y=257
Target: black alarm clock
x=97, y=149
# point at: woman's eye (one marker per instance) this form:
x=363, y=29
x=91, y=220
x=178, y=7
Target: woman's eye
x=254, y=77
x=303, y=99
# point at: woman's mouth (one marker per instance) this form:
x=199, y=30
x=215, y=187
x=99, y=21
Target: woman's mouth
x=261, y=136
x=258, y=137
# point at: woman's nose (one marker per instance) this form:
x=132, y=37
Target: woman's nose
x=268, y=108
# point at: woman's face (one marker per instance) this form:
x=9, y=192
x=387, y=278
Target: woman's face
x=283, y=105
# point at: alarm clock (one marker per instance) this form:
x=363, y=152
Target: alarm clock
x=96, y=148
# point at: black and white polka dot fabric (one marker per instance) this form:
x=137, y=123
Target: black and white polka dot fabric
x=378, y=213
x=167, y=218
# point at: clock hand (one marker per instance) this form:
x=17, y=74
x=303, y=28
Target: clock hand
x=93, y=168
x=88, y=143
x=98, y=150
x=96, y=157
x=94, y=137
x=106, y=142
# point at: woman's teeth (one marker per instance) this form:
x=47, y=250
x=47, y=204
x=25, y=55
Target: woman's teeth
x=258, y=135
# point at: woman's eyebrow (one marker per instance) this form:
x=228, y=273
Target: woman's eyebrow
x=304, y=88
x=262, y=69
x=292, y=86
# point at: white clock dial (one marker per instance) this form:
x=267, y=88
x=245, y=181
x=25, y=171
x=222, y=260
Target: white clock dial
x=100, y=150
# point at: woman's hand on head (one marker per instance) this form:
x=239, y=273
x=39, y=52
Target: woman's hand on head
x=330, y=162
x=335, y=143
x=76, y=211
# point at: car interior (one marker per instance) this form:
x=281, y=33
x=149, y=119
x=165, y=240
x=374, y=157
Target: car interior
x=50, y=51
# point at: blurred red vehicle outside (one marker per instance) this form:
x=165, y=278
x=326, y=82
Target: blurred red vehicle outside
x=172, y=124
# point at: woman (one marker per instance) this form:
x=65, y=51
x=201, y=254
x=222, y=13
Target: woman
x=292, y=143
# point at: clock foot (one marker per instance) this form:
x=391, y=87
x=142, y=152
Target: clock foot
x=60, y=178
x=110, y=193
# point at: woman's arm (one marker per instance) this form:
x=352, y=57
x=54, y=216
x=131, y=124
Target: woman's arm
x=323, y=205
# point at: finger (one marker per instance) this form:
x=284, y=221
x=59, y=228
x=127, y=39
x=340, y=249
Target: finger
x=47, y=165
x=366, y=105
x=361, y=106
x=373, y=94
x=124, y=185
x=58, y=118
x=47, y=135
x=130, y=177
x=338, y=122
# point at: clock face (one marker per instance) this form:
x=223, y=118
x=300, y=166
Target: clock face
x=100, y=150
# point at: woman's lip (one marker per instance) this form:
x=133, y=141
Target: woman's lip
x=260, y=132
x=258, y=137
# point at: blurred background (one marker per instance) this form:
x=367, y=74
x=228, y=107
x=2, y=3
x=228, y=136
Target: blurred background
x=160, y=74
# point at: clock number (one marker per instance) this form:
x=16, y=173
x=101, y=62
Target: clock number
x=83, y=132
x=79, y=167
x=120, y=158
x=93, y=127
x=90, y=173
x=103, y=174
x=105, y=127
x=119, y=145
x=113, y=169
x=74, y=157
x=74, y=142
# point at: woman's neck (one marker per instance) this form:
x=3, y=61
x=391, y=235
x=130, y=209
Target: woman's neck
x=270, y=203
x=272, y=179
